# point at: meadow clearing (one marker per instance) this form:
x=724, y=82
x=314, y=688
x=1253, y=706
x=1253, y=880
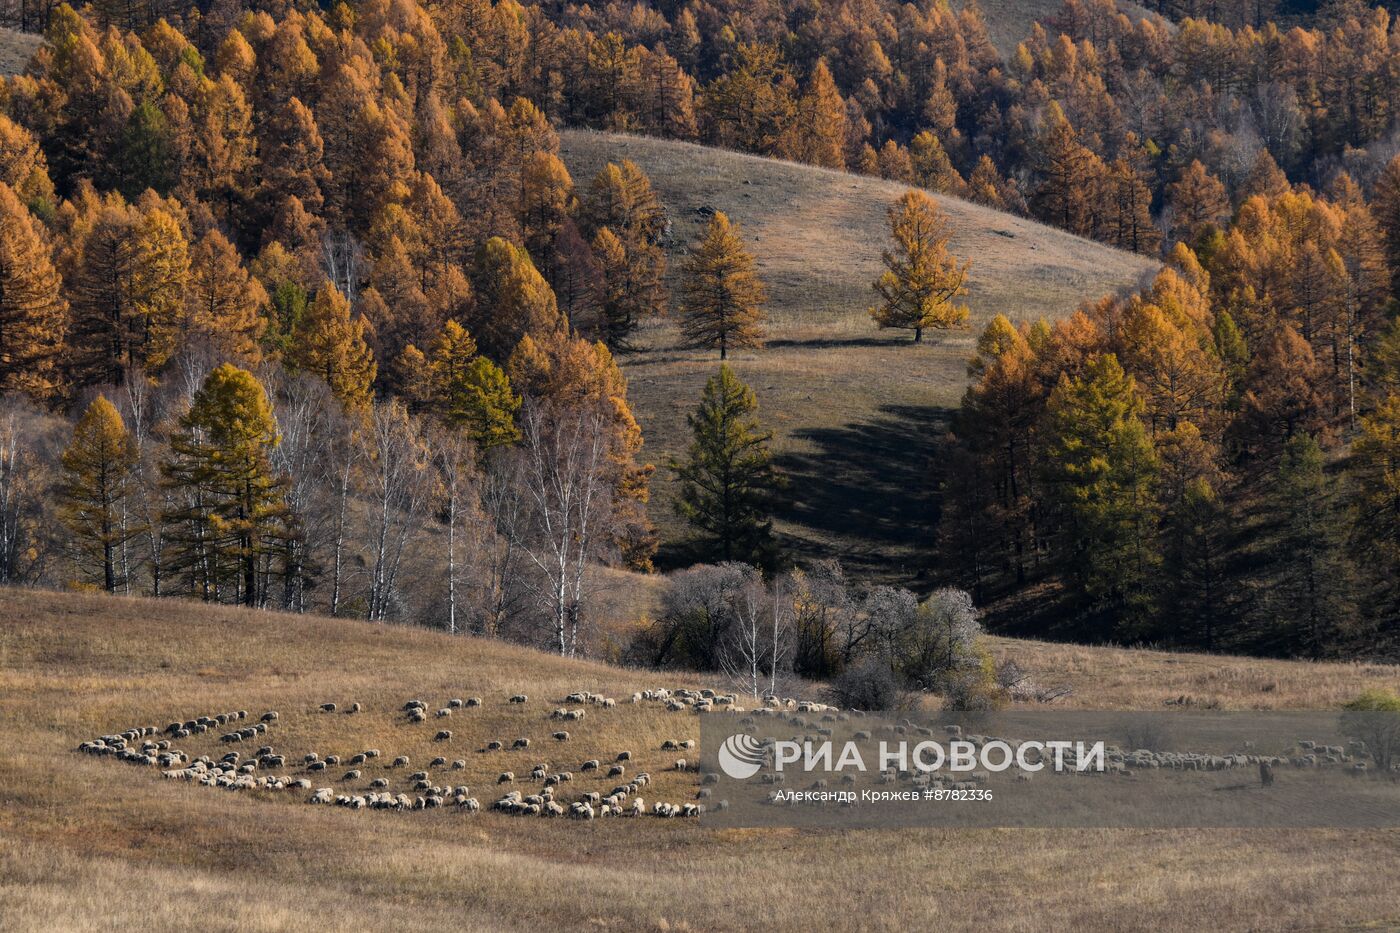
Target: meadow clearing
x=91, y=843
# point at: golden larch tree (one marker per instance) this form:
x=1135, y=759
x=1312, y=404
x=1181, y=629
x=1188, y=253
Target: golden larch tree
x=329, y=342
x=33, y=313
x=98, y=479
x=922, y=279
x=722, y=297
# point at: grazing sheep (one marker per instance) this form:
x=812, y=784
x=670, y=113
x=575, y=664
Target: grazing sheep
x=357, y=759
x=414, y=704
x=638, y=807
x=269, y=716
x=316, y=766
x=493, y=746
x=332, y=759
x=444, y=712
x=670, y=745
x=538, y=774
x=444, y=735
x=506, y=777
x=379, y=782
x=680, y=764
x=520, y=743
x=561, y=736
x=520, y=698
x=400, y=762
x=417, y=715
x=454, y=704
x=590, y=765
x=473, y=701
x=437, y=762
x=351, y=776
x=418, y=776
x=371, y=753
x=354, y=708
x=624, y=756
x=459, y=764
x=469, y=804
x=324, y=795
x=616, y=771
x=328, y=707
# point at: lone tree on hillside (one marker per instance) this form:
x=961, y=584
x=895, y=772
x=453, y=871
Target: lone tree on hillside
x=728, y=483
x=722, y=298
x=98, y=480
x=921, y=279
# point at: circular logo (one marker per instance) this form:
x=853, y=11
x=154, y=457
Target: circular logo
x=741, y=756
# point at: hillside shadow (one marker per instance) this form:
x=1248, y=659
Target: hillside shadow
x=869, y=492
x=832, y=343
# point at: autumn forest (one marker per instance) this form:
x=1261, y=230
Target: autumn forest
x=301, y=309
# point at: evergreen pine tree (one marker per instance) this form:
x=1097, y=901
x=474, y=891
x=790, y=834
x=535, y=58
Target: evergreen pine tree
x=1309, y=600
x=1100, y=470
x=728, y=483
x=231, y=515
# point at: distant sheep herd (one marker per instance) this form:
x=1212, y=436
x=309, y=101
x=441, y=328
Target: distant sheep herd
x=265, y=769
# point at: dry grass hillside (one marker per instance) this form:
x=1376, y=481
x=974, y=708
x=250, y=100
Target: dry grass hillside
x=1009, y=22
x=89, y=843
x=857, y=411
x=16, y=48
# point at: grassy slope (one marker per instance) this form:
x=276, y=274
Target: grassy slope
x=16, y=48
x=73, y=666
x=857, y=410
x=1009, y=22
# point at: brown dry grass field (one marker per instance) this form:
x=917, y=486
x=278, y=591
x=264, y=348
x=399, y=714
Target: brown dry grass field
x=16, y=48
x=1009, y=22
x=93, y=844
x=857, y=411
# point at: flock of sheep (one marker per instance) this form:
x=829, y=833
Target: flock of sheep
x=267, y=768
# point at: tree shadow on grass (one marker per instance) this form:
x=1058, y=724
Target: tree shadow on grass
x=868, y=492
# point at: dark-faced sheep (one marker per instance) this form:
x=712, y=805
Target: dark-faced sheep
x=561, y=736
x=444, y=735
x=590, y=765
x=520, y=698
x=354, y=708
x=400, y=762
x=437, y=762
x=617, y=771
x=328, y=707
x=351, y=776
x=506, y=777
x=459, y=764
x=520, y=743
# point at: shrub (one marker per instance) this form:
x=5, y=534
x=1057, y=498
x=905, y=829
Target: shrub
x=1371, y=719
x=869, y=684
x=971, y=686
